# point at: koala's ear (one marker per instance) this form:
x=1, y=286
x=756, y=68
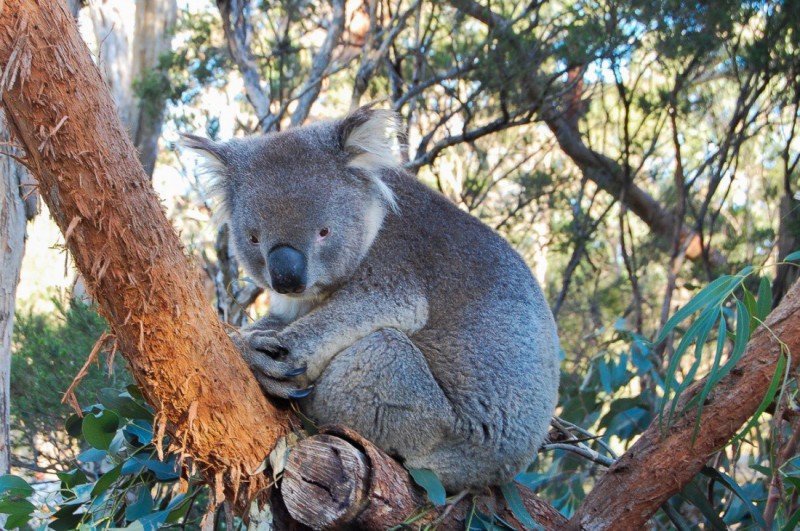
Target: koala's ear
x=216, y=157
x=370, y=138
x=215, y=153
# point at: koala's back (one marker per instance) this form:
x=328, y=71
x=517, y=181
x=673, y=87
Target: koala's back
x=490, y=338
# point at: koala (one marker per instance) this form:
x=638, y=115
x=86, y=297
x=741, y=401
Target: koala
x=391, y=310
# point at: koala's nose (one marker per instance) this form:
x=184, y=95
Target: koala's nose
x=287, y=269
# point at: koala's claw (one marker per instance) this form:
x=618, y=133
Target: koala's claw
x=301, y=393
x=296, y=372
x=282, y=389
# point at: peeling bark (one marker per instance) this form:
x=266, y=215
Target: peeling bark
x=60, y=110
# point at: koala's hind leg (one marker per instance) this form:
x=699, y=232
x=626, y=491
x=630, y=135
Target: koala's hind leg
x=382, y=387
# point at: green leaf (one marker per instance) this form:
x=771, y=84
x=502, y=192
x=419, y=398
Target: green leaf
x=762, y=469
x=92, y=455
x=764, y=304
x=178, y=508
x=18, y=511
x=511, y=494
x=698, y=332
x=18, y=521
x=142, y=506
x=734, y=487
x=99, y=429
x=793, y=522
x=695, y=496
x=124, y=404
x=16, y=507
x=427, y=480
x=722, y=334
x=740, y=339
x=71, y=479
x=711, y=295
x=73, y=425
x=135, y=392
x=153, y=521
x=163, y=470
x=768, y=398
x=792, y=257
x=605, y=375
x=141, y=430
x=15, y=486
x=106, y=480
x=752, y=308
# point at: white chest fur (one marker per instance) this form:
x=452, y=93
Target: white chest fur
x=289, y=309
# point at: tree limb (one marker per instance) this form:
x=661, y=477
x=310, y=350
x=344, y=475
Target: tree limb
x=339, y=480
x=321, y=62
x=237, y=33
x=659, y=465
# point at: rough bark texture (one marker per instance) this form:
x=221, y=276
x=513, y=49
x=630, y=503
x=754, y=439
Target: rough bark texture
x=238, y=32
x=339, y=480
x=657, y=466
x=60, y=110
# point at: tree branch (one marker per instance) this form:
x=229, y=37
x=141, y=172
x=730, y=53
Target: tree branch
x=237, y=33
x=321, y=62
x=660, y=465
x=340, y=480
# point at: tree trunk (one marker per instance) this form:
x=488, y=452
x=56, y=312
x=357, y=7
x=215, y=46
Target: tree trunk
x=14, y=212
x=788, y=242
x=131, y=40
x=658, y=466
x=60, y=110
x=152, y=38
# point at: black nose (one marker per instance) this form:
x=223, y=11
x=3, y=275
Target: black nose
x=287, y=269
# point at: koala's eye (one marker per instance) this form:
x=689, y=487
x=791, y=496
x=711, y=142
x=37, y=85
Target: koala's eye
x=253, y=239
x=324, y=232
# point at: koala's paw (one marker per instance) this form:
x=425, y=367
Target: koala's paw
x=272, y=364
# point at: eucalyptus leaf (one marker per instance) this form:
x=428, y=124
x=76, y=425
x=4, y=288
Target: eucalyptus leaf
x=514, y=501
x=792, y=257
x=734, y=487
x=14, y=486
x=764, y=302
x=100, y=428
x=427, y=480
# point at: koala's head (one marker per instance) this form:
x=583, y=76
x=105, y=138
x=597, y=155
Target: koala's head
x=305, y=205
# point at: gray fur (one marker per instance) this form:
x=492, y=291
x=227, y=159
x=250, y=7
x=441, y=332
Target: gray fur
x=421, y=328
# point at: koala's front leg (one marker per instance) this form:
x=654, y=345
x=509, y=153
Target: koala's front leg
x=348, y=316
x=269, y=360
